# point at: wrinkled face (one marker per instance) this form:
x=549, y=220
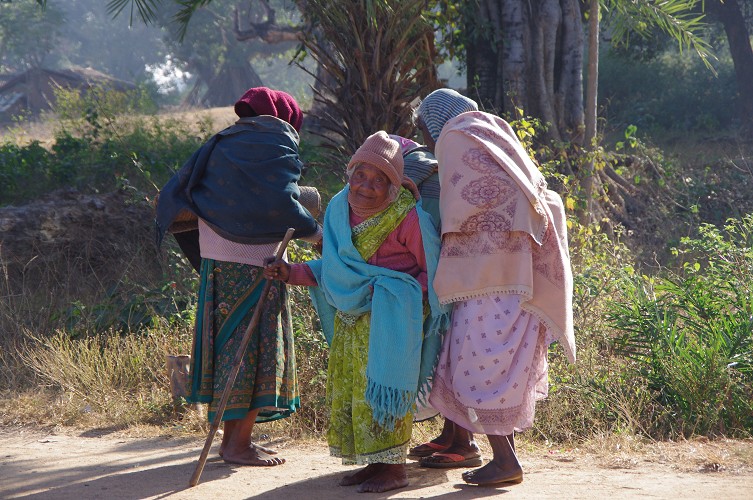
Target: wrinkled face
x=428, y=141
x=369, y=186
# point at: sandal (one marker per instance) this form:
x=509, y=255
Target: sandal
x=428, y=449
x=455, y=461
x=509, y=480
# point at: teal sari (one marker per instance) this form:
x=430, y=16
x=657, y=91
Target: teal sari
x=267, y=378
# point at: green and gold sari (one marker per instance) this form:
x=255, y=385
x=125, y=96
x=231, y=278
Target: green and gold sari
x=353, y=432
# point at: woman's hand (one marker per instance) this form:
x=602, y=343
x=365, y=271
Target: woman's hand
x=277, y=270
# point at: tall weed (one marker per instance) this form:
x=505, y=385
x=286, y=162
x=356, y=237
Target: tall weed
x=689, y=334
x=590, y=397
x=311, y=351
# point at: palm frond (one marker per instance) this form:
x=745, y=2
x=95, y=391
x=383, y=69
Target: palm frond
x=147, y=9
x=186, y=12
x=676, y=18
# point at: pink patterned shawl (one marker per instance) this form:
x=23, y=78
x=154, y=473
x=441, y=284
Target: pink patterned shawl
x=503, y=231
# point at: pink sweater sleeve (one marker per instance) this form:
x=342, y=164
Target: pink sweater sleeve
x=410, y=236
x=300, y=274
x=415, y=244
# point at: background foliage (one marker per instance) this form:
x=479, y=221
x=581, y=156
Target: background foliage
x=663, y=300
x=664, y=351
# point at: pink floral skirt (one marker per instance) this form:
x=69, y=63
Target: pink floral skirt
x=493, y=366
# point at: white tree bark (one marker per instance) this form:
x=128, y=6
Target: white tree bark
x=539, y=67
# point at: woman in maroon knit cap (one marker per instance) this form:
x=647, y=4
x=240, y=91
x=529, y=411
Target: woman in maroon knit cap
x=263, y=101
x=241, y=187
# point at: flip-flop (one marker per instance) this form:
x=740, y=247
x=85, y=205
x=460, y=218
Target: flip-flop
x=516, y=479
x=456, y=461
x=433, y=447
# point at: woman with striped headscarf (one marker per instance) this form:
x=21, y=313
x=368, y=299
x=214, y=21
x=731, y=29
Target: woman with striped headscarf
x=504, y=267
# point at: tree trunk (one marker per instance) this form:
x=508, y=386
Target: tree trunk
x=484, y=59
x=729, y=14
x=515, y=50
x=587, y=173
x=570, y=73
x=231, y=81
x=529, y=56
x=546, y=19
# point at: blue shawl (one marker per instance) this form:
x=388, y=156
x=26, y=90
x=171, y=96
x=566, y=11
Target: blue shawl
x=243, y=183
x=403, y=348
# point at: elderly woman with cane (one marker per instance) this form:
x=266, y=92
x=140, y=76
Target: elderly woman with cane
x=242, y=187
x=505, y=269
x=380, y=317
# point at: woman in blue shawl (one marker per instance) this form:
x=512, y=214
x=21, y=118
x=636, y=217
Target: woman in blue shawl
x=240, y=193
x=380, y=317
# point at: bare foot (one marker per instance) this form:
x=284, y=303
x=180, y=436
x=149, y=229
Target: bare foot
x=251, y=456
x=391, y=477
x=268, y=451
x=493, y=474
x=361, y=475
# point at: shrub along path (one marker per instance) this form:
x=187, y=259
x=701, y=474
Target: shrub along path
x=111, y=466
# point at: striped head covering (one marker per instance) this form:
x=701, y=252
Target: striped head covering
x=441, y=106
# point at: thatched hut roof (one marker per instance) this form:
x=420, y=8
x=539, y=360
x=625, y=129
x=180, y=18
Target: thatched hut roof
x=34, y=90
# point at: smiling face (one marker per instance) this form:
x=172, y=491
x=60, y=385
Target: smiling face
x=369, y=186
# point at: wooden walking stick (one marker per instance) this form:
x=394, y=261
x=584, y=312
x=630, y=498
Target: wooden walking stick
x=237, y=366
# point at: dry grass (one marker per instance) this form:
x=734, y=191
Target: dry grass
x=99, y=381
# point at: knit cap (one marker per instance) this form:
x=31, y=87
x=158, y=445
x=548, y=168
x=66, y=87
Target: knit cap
x=441, y=106
x=265, y=101
x=383, y=153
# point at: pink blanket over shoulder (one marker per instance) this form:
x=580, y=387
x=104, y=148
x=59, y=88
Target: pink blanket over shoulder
x=503, y=231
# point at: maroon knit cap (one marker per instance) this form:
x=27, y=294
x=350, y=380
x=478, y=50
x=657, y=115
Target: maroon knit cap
x=265, y=101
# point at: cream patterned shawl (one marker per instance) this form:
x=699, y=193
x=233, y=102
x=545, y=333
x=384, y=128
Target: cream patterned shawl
x=503, y=231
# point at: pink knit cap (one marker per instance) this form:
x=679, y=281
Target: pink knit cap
x=383, y=153
x=265, y=101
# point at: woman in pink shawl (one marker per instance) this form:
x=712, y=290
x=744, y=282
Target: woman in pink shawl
x=504, y=267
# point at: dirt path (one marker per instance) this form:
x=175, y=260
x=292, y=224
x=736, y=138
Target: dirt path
x=83, y=466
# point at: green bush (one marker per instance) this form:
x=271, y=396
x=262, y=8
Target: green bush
x=24, y=172
x=675, y=92
x=101, y=144
x=689, y=334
